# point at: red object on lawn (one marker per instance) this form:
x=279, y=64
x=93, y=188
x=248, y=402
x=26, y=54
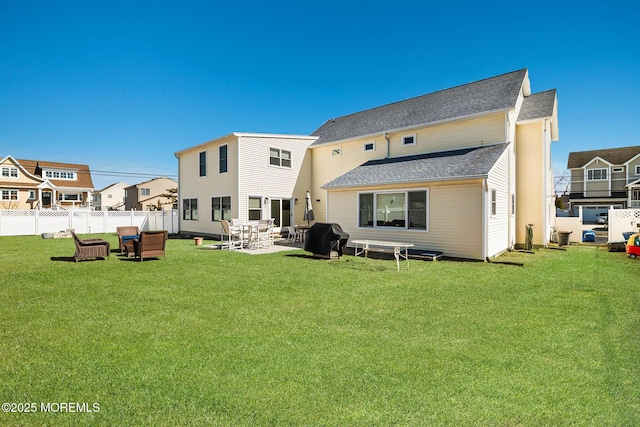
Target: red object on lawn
x=633, y=245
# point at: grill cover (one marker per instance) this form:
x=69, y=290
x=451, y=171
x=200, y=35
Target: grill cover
x=322, y=238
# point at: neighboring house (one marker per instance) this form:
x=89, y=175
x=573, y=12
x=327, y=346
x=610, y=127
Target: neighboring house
x=603, y=178
x=148, y=195
x=244, y=175
x=35, y=184
x=110, y=197
x=462, y=171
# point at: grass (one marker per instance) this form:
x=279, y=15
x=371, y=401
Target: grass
x=217, y=338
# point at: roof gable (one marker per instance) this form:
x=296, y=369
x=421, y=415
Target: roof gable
x=615, y=156
x=484, y=96
x=83, y=175
x=442, y=166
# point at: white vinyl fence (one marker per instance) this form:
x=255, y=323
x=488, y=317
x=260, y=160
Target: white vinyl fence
x=623, y=221
x=35, y=221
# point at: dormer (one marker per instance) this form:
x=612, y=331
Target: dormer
x=60, y=173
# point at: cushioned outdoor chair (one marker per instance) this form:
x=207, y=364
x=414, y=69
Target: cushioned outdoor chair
x=90, y=248
x=150, y=244
x=126, y=233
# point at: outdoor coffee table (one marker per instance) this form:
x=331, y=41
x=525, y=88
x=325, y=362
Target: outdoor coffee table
x=397, y=248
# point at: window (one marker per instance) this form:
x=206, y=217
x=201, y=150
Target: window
x=203, y=163
x=255, y=208
x=221, y=208
x=9, y=172
x=223, y=154
x=409, y=140
x=336, y=152
x=596, y=174
x=10, y=195
x=369, y=146
x=494, y=202
x=70, y=197
x=190, y=209
x=617, y=170
x=32, y=194
x=638, y=170
x=406, y=209
x=145, y=191
x=56, y=174
x=279, y=157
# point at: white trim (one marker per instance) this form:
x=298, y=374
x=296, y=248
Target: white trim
x=371, y=143
x=617, y=169
x=413, y=136
x=406, y=192
x=416, y=126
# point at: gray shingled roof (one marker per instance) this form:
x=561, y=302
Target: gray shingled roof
x=616, y=156
x=538, y=105
x=484, y=96
x=443, y=166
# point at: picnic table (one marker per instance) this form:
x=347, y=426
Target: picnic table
x=363, y=246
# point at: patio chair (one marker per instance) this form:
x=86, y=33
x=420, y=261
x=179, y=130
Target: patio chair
x=151, y=244
x=233, y=235
x=266, y=236
x=126, y=233
x=293, y=235
x=90, y=248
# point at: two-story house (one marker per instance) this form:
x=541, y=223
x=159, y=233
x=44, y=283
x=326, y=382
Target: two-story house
x=149, y=195
x=110, y=197
x=462, y=171
x=603, y=178
x=35, y=184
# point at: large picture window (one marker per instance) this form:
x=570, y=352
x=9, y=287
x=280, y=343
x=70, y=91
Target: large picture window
x=221, y=208
x=401, y=209
x=190, y=209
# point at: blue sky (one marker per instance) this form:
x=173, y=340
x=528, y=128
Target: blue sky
x=121, y=86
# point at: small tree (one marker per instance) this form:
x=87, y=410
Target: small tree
x=171, y=195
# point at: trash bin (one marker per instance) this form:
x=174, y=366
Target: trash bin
x=563, y=237
x=588, y=236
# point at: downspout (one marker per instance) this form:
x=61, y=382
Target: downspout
x=547, y=154
x=386, y=137
x=485, y=219
x=179, y=192
x=510, y=190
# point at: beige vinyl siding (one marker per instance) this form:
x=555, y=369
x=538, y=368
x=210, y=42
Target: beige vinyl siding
x=472, y=132
x=577, y=180
x=192, y=185
x=597, y=188
x=530, y=186
x=632, y=169
x=259, y=178
x=498, y=225
x=618, y=179
x=454, y=218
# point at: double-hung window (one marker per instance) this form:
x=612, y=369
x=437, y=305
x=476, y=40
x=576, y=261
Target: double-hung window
x=494, y=202
x=9, y=195
x=9, y=172
x=596, y=174
x=190, y=209
x=278, y=157
x=220, y=208
x=255, y=208
x=398, y=209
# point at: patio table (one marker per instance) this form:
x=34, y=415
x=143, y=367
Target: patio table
x=397, y=248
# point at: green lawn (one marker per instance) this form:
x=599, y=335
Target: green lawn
x=209, y=337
